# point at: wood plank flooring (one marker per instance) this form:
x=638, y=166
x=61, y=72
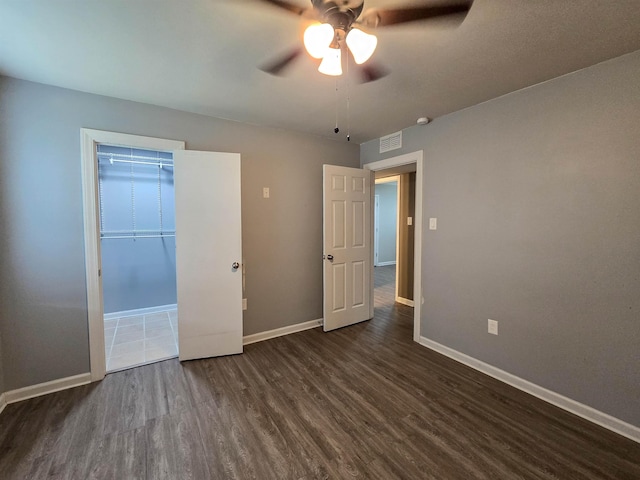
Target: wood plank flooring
x=361, y=402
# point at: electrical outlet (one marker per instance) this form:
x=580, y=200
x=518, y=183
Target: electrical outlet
x=493, y=327
x=265, y=192
x=244, y=304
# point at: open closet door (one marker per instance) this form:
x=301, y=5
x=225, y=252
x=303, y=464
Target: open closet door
x=208, y=253
x=347, y=233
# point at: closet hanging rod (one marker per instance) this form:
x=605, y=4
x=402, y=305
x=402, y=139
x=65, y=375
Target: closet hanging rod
x=137, y=236
x=164, y=162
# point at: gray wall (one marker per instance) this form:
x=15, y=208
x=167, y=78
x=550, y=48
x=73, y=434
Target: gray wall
x=138, y=273
x=537, y=196
x=387, y=216
x=43, y=313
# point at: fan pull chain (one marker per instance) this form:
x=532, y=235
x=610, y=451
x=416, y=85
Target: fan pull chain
x=336, y=129
x=348, y=100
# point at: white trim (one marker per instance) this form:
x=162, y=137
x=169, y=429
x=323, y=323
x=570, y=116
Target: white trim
x=13, y=396
x=3, y=401
x=279, y=332
x=405, y=301
x=385, y=264
x=408, y=158
x=588, y=413
x=376, y=229
x=140, y=311
x=95, y=307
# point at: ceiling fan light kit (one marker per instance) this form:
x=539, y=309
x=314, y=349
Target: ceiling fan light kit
x=321, y=39
x=361, y=44
x=318, y=38
x=332, y=62
x=338, y=27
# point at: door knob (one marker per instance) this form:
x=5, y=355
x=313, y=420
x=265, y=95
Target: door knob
x=330, y=258
x=235, y=265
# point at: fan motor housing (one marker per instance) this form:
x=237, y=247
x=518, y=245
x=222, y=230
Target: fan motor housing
x=339, y=18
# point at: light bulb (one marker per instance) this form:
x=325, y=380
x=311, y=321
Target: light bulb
x=331, y=63
x=317, y=38
x=361, y=44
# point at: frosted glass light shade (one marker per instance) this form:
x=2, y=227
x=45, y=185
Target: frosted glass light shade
x=317, y=38
x=331, y=63
x=361, y=44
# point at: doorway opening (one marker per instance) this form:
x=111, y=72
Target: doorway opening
x=399, y=281
x=91, y=142
x=138, y=255
x=385, y=243
x=394, y=229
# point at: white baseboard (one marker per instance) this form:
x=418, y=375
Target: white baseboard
x=3, y=401
x=588, y=413
x=140, y=311
x=404, y=301
x=278, y=332
x=32, y=391
x=384, y=264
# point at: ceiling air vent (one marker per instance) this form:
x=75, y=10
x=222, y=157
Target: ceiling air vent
x=391, y=142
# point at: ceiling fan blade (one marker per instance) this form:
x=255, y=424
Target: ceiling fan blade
x=277, y=66
x=290, y=7
x=392, y=16
x=370, y=72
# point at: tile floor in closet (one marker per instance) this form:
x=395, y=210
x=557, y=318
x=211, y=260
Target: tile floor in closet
x=139, y=339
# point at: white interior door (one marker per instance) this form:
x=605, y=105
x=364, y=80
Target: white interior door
x=208, y=253
x=348, y=285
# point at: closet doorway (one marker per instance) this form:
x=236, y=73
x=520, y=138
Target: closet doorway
x=136, y=204
x=208, y=261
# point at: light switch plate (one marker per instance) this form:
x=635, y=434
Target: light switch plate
x=433, y=224
x=493, y=327
x=409, y=221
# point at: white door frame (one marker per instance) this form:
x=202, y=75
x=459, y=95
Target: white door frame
x=406, y=159
x=376, y=220
x=95, y=303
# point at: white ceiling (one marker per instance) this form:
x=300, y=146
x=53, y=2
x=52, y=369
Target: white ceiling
x=201, y=56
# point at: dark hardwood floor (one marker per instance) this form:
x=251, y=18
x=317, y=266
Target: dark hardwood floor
x=361, y=402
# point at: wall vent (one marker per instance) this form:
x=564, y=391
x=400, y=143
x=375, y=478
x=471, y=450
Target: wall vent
x=391, y=142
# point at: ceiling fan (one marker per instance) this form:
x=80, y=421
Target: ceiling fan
x=340, y=29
